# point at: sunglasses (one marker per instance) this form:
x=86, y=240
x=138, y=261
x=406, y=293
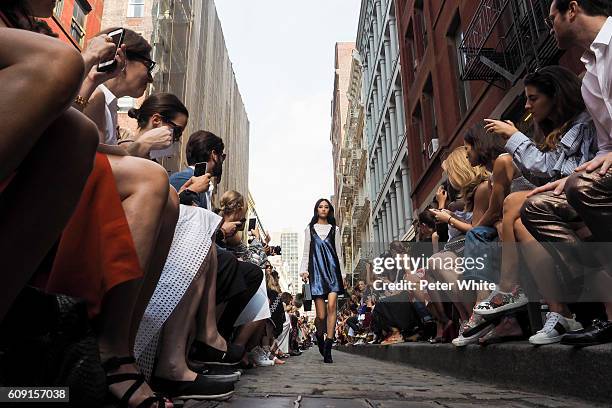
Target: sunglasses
x=241, y=225
x=549, y=21
x=149, y=63
x=177, y=131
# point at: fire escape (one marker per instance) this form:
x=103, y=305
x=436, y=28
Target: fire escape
x=505, y=39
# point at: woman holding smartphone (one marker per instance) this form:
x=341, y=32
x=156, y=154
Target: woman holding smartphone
x=322, y=267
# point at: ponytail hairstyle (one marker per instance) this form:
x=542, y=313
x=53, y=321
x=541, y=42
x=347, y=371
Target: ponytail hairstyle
x=330, y=215
x=166, y=105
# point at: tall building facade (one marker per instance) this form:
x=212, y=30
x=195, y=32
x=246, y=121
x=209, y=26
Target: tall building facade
x=385, y=124
x=290, y=257
x=354, y=198
x=76, y=21
x=462, y=62
x=193, y=63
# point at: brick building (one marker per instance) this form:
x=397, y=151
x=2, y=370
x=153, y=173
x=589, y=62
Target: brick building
x=462, y=61
x=76, y=21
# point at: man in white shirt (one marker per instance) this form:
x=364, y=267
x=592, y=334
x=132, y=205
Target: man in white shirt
x=585, y=196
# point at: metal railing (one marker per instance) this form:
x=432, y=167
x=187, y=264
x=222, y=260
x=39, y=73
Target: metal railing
x=523, y=41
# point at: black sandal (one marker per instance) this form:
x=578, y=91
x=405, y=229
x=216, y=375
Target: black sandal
x=114, y=363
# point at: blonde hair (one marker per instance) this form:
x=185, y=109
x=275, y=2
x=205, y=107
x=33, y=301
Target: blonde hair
x=462, y=175
x=231, y=201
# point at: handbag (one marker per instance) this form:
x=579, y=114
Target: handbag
x=307, y=297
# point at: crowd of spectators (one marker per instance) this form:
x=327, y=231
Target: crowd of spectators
x=118, y=281
x=534, y=205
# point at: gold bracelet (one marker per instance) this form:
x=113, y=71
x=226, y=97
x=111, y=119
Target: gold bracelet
x=81, y=102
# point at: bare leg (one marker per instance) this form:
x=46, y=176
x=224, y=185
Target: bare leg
x=247, y=331
x=207, y=314
x=69, y=138
x=36, y=132
x=510, y=254
x=331, y=314
x=172, y=361
x=143, y=188
x=321, y=319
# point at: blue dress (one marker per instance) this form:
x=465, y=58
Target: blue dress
x=324, y=265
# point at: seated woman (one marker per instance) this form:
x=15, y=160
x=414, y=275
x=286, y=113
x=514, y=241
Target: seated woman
x=472, y=183
x=98, y=243
x=554, y=99
x=35, y=102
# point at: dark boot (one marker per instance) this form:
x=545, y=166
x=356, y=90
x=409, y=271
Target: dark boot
x=327, y=357
x=321, y=344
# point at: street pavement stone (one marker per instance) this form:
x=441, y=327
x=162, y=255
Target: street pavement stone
x=354, y=381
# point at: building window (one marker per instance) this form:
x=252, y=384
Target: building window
x=59, y=7
x=420, y=30
x=77, y=26
x=136, y=8
x=458, y=61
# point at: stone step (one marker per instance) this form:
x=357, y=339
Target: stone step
x=553, y=370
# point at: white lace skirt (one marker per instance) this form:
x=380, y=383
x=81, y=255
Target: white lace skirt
x=193, y=237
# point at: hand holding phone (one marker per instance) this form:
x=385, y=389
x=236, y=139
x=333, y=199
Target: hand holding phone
x=117, y=39
x=200, y=169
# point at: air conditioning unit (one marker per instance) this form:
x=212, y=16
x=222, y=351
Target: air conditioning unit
x=432, y=148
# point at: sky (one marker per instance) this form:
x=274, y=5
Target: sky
x=283, y=56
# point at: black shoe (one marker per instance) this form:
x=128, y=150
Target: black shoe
x=202, y=353
x=221, y=373
x=599, y=333
x=327, y=357
x=321, y=344
x=295, y=353
x=201, y=388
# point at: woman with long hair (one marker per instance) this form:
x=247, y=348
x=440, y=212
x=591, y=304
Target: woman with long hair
x=321, y=266
x=567, y=139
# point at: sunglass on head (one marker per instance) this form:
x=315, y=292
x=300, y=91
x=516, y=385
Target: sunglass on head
x=149, y=63
x=177, y=131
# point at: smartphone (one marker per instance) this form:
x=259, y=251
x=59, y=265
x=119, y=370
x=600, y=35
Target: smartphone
x=117, y=37
x=252, y=223
x=200, y=169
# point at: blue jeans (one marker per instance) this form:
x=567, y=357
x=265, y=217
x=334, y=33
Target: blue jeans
x=482, y=246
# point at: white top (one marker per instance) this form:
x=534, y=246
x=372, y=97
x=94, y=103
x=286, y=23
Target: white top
x=597, y=86
x=110, y=114
x=322, y=231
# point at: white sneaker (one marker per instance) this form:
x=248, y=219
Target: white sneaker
x=472, y=330
x=260, y=358
x=554, y=329
x=499, y=302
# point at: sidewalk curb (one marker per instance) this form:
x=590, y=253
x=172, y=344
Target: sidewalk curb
x=552, y=369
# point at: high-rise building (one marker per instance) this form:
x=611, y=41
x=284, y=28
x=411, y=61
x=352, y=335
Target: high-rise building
x=76, y=21
x=390, y=190
x=462, y=62
x=290, y=257
x=358, y=240
x=193, y=63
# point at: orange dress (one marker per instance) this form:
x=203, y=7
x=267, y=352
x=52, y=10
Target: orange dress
x=96, y=251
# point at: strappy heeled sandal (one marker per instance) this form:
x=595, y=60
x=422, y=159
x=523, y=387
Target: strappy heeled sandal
x=113, y=364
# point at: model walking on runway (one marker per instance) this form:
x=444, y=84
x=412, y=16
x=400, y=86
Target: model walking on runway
x=322, y=267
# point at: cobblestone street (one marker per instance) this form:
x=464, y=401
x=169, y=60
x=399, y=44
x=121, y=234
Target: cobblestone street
x=355, y=381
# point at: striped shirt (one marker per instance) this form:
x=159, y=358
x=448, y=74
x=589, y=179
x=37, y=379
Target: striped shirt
x=577, y=146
